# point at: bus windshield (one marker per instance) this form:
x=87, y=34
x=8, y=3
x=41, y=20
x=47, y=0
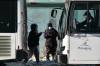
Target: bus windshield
x=8, y=16
x=86, y=17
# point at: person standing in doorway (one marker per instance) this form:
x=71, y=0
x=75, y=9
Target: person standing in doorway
x=33, y=42
x=51, y=42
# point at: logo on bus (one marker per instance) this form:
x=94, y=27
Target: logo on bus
x=84, y=46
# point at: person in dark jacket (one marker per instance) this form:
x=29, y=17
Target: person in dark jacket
x=33, y=42
x=51, y=43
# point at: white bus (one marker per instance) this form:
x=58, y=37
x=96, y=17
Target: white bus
x=79, y=29
x=12, y=28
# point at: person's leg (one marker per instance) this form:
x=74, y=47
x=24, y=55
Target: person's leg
x=30, y=54
x=53, y=55
x=47, y=56
x=36, y=54
x=47, y=53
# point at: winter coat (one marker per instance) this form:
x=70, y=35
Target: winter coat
x=50, y=36
x=33, y=39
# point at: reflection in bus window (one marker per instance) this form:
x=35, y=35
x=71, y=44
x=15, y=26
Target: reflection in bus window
x=86, y=17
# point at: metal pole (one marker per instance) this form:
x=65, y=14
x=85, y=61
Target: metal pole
x=24, y=23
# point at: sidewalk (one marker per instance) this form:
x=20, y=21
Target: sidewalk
x=32, y=63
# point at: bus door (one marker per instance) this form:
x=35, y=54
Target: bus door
x=84, y=27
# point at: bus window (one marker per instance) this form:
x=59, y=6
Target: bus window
x=8, y=16
x=54, y=13
x=86, y=17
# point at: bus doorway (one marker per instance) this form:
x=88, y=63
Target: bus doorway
x=40, y=14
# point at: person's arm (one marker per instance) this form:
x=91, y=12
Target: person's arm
x=45, y=34
x=39, y=34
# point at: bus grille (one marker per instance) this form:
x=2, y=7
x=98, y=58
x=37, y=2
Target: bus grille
x=5, y=46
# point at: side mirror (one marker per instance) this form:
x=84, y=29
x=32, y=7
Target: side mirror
x=62, y=48
x=54, y=13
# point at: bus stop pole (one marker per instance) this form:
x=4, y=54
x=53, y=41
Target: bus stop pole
x=24, y=23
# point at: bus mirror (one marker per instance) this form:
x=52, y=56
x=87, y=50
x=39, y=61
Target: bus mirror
x=54, y=13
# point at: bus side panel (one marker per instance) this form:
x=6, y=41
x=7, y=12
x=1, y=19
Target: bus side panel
x=7, y=46
x=84, y=49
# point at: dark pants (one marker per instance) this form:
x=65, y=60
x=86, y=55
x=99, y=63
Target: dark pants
x=51, y=51
x=34, y=51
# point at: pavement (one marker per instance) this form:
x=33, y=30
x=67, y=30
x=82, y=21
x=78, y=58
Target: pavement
x=42, y=63
x=32, y=63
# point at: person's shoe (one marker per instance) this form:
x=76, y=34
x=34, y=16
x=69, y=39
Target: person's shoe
x=38, y=62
